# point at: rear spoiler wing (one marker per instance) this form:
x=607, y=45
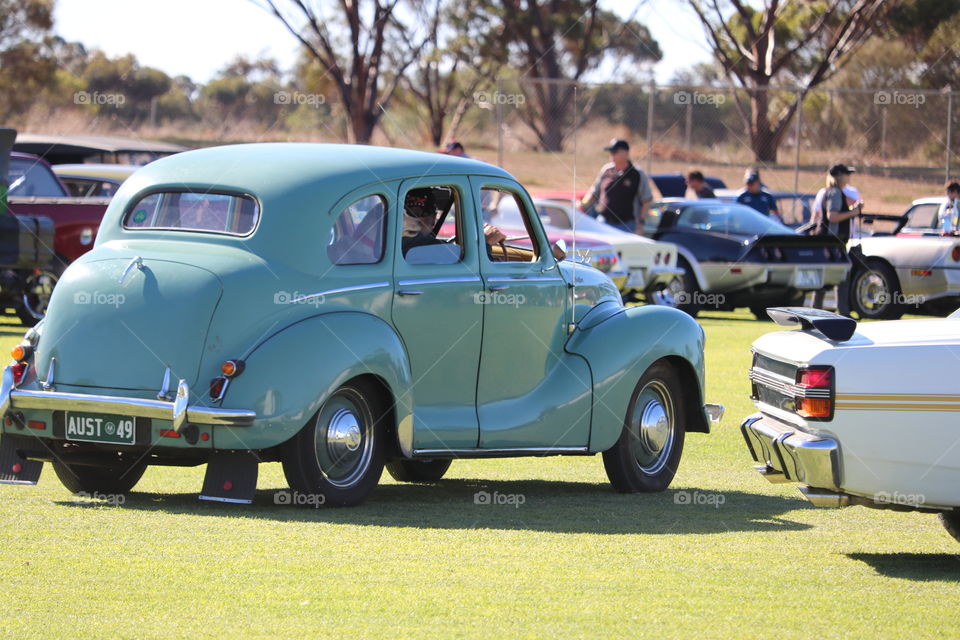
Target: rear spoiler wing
x=831, y=326
x=7, y=138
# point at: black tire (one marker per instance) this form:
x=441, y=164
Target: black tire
x=951, y=522
x=99, y=480
x=875, y=291
x=645, y=458
x=417, y=470
x=687, y=298
x=35, y=296
x=340, y=453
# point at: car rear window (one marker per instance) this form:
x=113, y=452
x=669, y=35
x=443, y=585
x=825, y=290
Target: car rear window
x=32, y=178
x=194, y=211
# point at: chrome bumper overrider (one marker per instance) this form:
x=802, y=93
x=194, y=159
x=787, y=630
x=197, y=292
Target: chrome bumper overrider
x=786, y=454
x=178, y=411
x=714, y=412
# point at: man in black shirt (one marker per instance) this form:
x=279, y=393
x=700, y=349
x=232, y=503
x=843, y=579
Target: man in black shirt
x=698, y=184
x=621, y=193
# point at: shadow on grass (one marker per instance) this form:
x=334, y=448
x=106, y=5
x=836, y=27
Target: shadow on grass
x=943, y=567
x=534, y=505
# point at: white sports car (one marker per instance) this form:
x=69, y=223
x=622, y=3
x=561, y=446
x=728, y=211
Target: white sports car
x=830, y=420
x=652, y=265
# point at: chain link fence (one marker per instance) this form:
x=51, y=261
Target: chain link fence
x=550, y=134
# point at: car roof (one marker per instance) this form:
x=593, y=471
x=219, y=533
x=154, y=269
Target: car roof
x=112, y=144
x=930, y=200
x=110, y=171
x=278, y=170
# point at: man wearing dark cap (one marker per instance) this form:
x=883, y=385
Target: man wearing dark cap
x=455, y=148
x=833, y=215
x=755, y=197
x=621, y=193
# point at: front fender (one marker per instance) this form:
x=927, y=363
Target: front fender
x=291, y=374
x=622, y=347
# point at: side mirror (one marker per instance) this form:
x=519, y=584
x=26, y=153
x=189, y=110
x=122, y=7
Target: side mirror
x=560, y=250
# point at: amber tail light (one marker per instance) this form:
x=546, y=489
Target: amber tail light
x=816, y=386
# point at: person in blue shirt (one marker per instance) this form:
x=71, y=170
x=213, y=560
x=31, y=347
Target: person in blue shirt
x=754, y=196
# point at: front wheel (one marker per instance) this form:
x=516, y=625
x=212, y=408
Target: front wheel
x=689, y=297
x=951, y=522
x=340, y=453
x=646, y=456
x=112, y=480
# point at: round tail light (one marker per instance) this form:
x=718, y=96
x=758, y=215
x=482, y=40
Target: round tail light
x=955, y=254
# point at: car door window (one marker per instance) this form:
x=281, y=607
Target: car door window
x=431, y=230
x=923, y=216
x=357, y=235
x=520, y=244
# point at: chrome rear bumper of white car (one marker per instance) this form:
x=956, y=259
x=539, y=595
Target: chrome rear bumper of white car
x=786, y=454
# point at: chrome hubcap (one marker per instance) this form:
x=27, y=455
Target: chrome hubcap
x=343, y=439
x=667, y=296
x=652, y=426
x=37, y=291
x=872, y=291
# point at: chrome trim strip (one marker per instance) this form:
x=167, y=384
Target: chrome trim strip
x=479, y=453
x=333, y=292
x=785, y=385
x=522, y=279
x=418, y=281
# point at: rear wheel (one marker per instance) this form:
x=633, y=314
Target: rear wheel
x=951, y=522
x=417, y=470
x=688, y=297
x=117, y=479
x=340, y=453
x=646, y=456
x=875, y=292
x=667, y=295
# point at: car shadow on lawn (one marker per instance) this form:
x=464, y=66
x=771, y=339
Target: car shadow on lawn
x=913, y=566
x=534, y=505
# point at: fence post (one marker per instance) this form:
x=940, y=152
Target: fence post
x=949, y=132
x=689, y=126
x=796, y=143
x=650, y=103
x=499, y=112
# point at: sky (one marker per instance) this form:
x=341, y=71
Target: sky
x=199, y=37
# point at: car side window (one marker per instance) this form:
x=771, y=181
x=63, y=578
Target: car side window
x=651, y=224
x=358, y=233
x=521, y=244
x=923, y=216
x=431, y=230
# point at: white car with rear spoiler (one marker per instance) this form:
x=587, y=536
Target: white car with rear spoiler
x=834, y=398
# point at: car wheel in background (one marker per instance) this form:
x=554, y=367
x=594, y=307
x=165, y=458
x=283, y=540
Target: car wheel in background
x=103, y=480
x=417, y=470
x=875, y=291
x=37, y=288
x=951, y=522
x=688, y=298
x=667, y=295
x=340, y=453
x=646, y=456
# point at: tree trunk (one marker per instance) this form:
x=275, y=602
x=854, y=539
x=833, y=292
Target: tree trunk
x=762, y=138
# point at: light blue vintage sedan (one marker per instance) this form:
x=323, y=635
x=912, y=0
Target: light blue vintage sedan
x=313, y=305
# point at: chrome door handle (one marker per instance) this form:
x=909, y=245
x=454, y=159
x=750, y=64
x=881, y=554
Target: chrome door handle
x=498, y=287
x=409, y=292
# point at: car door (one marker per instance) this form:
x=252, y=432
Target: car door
x=530, y=392
x=436, y=312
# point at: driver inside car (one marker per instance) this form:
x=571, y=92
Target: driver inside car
x=420, y=211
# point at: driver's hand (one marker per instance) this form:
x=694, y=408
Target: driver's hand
x=493, y=235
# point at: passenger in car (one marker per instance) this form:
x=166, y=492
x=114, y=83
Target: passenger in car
x=420, y=211
x=949, y=213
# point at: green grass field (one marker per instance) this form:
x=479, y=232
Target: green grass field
x=743, y=558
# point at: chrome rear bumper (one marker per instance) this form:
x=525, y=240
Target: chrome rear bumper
x=179, y=412
x=786, y=454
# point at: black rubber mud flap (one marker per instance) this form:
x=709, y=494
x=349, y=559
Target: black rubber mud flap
x=231, y=477
x=13, y=468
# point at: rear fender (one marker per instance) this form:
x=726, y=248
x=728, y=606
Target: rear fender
x=291, y=374
x=621, y=348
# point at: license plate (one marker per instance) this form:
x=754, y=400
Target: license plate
x=809, y=279
x=100, y=427
x=636, y=278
